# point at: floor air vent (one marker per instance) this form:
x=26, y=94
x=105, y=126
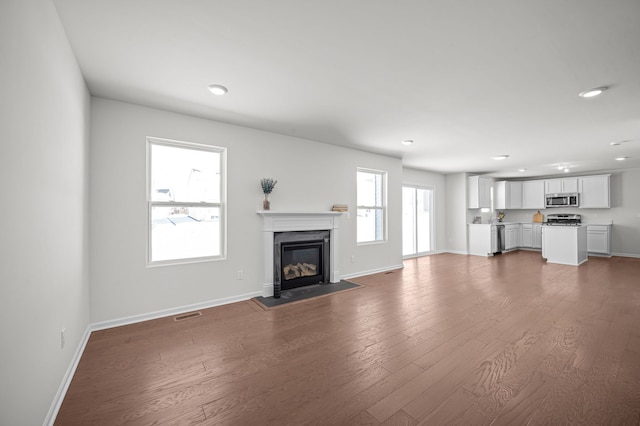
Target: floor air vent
x=188, y=316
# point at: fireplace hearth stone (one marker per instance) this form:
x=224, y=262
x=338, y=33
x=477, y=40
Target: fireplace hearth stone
x=305, y=293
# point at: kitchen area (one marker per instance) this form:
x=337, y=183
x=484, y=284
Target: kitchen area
x=541, y=215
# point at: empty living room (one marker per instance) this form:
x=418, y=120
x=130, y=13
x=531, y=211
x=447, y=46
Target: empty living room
x=322, y=213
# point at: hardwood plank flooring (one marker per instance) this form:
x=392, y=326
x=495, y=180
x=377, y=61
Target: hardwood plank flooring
x=449, y=339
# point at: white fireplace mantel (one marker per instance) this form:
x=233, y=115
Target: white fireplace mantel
x=286, y=221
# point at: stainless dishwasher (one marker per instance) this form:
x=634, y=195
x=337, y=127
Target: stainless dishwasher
x=500, y=239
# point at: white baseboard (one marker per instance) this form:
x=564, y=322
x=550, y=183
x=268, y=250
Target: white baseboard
x=605, y=256
x=171, y=311
x=372, y=271
x=66, y=380
x=415, y=256
x=626, y=255
x=457, y=252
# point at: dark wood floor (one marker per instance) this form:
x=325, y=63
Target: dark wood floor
x=449, y=339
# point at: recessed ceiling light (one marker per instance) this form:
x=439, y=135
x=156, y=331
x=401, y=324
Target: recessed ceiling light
x=500, y=157
x=522, y=170
x=560, y=167
x=217, y=89
x=407, y=142
x=566, y=170
x=621, y=158
x=592, y=92
x=617, y=143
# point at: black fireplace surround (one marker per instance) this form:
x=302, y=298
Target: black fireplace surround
x=300, y=258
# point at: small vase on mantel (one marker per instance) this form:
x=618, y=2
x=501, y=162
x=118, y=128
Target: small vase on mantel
x=267, y=185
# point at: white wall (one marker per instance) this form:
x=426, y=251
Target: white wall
x=311, y=177
x=438, y=183
x=44, y=113
x=456, y=212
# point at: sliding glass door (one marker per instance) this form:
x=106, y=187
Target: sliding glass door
x=417, y=221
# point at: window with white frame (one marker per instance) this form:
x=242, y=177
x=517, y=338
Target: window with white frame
x=186, y=200
x=371, y=200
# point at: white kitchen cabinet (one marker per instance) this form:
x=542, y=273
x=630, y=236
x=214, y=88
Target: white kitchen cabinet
x=561, y=186
x=594, y=192
x=533, y=194
x=479, y=192
x=507, y=195
x=480, y=239
x=537, y=235
x=512, y=236
x=513, y=192
x=494, y=239
x=526, y=236
x=499, y=195
x=599, y=239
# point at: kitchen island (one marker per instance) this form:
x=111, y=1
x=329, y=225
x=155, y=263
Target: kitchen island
x=566, y=245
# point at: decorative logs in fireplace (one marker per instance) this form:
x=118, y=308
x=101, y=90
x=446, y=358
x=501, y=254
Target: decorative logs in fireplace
x=300, y=258
x=299, y=270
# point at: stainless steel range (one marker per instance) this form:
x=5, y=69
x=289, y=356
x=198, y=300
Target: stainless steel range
x=561, y=219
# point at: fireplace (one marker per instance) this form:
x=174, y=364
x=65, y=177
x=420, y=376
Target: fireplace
x=279, y=222
x=300, y=258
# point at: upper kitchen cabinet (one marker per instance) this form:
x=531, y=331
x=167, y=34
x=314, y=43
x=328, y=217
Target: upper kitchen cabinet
x=533, y=194
x=561, y=186
x=508, y=195
x=514, y=195
x=499, y=196
x=594, y=192
x=479, y=192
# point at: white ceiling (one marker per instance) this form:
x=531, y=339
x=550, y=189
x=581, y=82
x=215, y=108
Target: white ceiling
x=465, y=79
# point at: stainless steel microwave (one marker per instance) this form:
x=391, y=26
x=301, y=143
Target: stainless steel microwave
x=562, y=200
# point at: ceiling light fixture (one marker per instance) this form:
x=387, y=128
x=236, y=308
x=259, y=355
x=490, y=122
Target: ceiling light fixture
x=621, y=158
x=592, y=92
x=618, y=143
x=522, y=170
x=561, y=167
x=500, y=157
x=217, y=89
x=566, y=170
x=407, y=142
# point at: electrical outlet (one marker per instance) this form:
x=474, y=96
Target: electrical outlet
x=62, y=337
x=353, y=259
x=348, y=215
x=240, y=275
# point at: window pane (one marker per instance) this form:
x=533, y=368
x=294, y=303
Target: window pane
x=369, y=225
x=369, y=189
x=185, y=175
x=184, y=232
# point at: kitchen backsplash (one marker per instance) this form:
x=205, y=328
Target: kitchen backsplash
x=599, y=216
